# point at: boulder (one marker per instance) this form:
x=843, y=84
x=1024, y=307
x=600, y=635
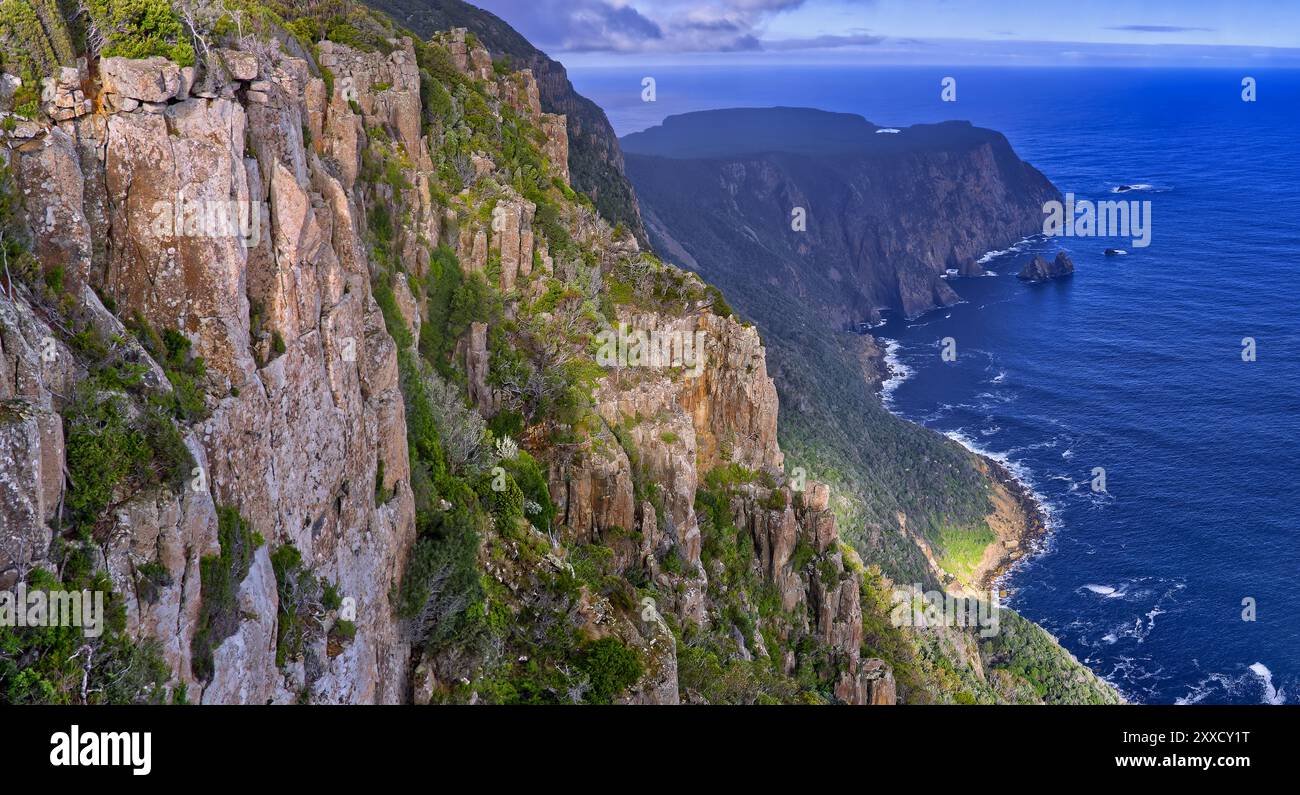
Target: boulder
x=63, y=95
x=817, y=497
x=241, y=65
x=153, y=79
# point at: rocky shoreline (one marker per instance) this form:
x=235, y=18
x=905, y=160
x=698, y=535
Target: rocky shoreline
x=1018, y=518
x=1022, y=517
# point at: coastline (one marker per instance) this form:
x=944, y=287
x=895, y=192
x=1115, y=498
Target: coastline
x=1019, y=519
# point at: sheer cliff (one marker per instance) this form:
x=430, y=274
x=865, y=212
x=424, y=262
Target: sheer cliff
x=595, y=157
x=317, y=364
x=884, y=214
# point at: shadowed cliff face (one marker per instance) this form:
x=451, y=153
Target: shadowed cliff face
x=886, y=213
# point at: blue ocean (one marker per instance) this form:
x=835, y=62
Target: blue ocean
x=1177, y=582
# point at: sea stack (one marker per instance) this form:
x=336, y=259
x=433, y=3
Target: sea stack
x=1040, y=270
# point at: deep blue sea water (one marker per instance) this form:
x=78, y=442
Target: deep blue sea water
x=1133, y=365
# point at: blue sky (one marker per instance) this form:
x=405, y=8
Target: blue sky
x=1029, y=32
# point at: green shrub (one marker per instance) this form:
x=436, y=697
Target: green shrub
x=33, y=40
x=717, y=303
x=803, y=555
x=141, y=29
x=330, y=598
x=343, y=630
x=185, y=371
x=220, y=576
x=505, y=503
x=775, y=500
x=297, y=590
x=171, y=463
x=611, y=668
x=103, y=451
x=437, y=334
x=150, y=578
x=436, y=100
x=440, y=587
x=56, y=664
x=729, y=476
x=527, y=473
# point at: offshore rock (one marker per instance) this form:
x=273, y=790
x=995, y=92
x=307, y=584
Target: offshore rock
x=1040, y=270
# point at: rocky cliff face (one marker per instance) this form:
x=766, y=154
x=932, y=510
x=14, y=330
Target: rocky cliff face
x=813, y=223
x=209, y=208
x=594, y=151
x=677, y=429
x=238, y=263
x=850, y=220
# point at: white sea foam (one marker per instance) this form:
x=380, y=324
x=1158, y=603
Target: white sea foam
x=1045, y=445
x=898, y=372
x=1151, y=617
x=989, y=399
x=887, y=130
x=1271, y=694
x=989, y=256
x=1202, y=689
x=1235, y=686
x=1016, y=248
x=1104, y=590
